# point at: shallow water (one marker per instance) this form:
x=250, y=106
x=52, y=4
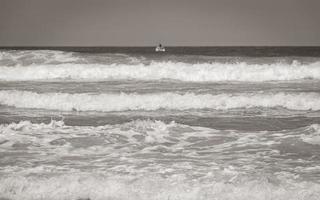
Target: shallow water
x=123, y=126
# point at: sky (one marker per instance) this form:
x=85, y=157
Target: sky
x=149, y=22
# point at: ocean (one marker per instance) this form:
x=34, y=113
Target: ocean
x=193, y=123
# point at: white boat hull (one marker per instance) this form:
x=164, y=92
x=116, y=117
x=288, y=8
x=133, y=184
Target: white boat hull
x=160, y=49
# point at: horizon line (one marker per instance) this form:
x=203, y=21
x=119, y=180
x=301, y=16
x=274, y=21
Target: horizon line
x=130, y=46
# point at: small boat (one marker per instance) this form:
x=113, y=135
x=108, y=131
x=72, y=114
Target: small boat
x=160, y=48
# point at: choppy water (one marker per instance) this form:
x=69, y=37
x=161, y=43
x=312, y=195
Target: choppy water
x=158, y=126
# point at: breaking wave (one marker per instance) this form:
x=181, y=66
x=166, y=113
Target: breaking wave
x=216, y=182
x=155, y=101
x=98, y=187
x=201, y=72
x=24, y=58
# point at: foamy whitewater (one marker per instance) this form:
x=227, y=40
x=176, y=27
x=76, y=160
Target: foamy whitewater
x=76, y=126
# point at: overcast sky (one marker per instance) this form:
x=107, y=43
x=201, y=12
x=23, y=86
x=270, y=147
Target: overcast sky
x=148, y=22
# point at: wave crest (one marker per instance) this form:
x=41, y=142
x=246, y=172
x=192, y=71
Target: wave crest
x=202, y=72
x=156, y=101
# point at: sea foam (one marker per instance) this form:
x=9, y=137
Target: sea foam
x=36, y=56
x=216, y=182
x=98, y=187
x=201, y=72
x=154, y=101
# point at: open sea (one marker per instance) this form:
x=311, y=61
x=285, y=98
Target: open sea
x=193, y=123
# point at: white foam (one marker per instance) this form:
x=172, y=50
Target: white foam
x=155, y=101
x=153, y=131
x=37, y=56
x=45, y=180
x=314, y=136
x=149, y=187
x=202, y=72
x=56, y=140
